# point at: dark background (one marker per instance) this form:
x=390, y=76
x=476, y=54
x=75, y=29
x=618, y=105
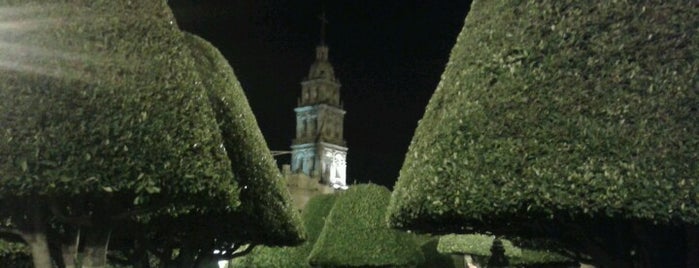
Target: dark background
x=387, y=54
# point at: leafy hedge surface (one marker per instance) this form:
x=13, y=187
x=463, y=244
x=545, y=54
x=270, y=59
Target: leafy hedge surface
x=559, y=108
x=99, y=98
x=313, y=216
x=266, y=215
x=355, y=233
x=479, y=245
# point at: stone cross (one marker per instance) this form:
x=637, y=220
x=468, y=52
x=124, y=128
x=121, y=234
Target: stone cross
x=323, y=22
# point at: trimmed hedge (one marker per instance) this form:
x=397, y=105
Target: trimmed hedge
x=104, y=106
x=356, y=235
x=98, y=99
x=479, y=245
x=551, y=110
x=313, y=215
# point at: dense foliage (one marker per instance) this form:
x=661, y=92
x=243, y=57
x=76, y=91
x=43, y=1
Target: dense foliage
x=102, y=120
x=313, y=216
x=479, y=245
x=101, y=100
x=356, y=235
x=572, y=120
x=14, y=255
x=108, y=112
x=265, y=215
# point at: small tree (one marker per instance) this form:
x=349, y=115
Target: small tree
x=105, y=118
x=573, y=121
x=356, y=235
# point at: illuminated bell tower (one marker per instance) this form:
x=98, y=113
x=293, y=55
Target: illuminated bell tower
x=319, y=149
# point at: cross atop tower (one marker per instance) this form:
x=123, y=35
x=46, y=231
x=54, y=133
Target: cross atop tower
x=323, y=22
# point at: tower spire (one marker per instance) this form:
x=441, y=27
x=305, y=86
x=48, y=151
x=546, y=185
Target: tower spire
x=323, y=22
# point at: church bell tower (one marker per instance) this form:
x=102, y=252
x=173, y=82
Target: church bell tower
x=319, y=149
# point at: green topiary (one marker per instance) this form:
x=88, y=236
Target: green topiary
x=106, y=116
x=571, y=120
x=313, y=215
x=356, y=235
x=100, y=99
x=102, y=120
x=479, y=245
x=265, y=216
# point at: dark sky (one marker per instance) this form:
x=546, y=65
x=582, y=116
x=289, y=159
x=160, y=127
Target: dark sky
x=387, y=54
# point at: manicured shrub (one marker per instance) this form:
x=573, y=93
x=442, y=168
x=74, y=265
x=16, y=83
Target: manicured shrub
x=574, y=121
x=107, y=116
x=313, y=215
x=478, y=246
x=356, y=234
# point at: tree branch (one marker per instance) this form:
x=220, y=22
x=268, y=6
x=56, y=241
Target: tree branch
x=56, y=211
x=242, y=253
x=135, y=212
x=10, y=231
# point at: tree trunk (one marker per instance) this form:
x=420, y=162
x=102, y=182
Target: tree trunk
x=69, y=250
x=96, y=243
x=692, y=234
x=39, y=247
x=140, y=258
x=34, y=233
x=186, y=258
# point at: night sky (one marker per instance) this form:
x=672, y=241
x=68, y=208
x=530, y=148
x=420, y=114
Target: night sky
x=387, y=54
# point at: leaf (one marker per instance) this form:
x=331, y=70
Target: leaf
x=152, y=189
x=24, y=166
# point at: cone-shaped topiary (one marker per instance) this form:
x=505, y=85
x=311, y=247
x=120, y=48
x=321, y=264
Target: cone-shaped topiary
x=104, y=116
x=265, y=215
x=572, y=120
x=102, y=119
x=100, y=98
x=356, y=234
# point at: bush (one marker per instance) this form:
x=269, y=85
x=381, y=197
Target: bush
x=569, y=120
x=355, y=233
x=313, y=216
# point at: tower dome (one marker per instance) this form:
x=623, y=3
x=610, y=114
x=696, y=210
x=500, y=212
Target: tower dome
x=321, y=68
